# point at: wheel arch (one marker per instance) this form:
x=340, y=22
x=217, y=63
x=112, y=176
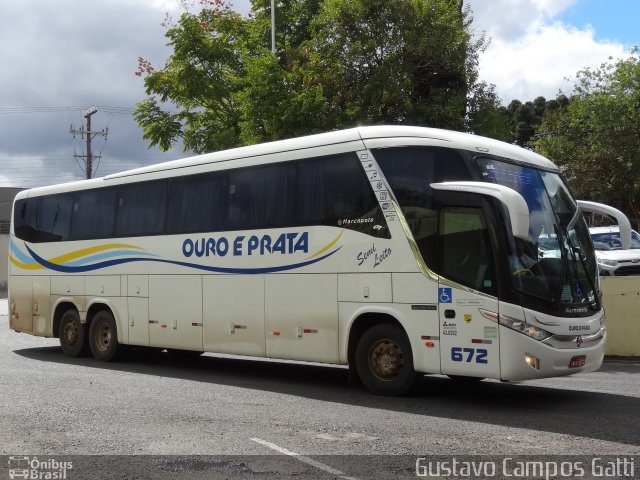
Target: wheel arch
x=61, y=307
x=100, y=305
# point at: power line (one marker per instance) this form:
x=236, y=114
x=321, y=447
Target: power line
x=56, y=109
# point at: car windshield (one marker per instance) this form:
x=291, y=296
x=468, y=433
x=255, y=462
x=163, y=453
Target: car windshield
x=557, y=262
x=611, y=240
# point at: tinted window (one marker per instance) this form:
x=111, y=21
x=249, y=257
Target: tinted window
x=409, y=172
x=93, y=213
x=198, y=204
x=335, y=191
x=54, y=217
x=261, y=197
x=465, y=248
x=24, y=219
x=141, y=209
x=331, y=191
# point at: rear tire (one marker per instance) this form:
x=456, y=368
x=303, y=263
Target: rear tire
x=103, y=337
x=384, y=361
x=72, y=334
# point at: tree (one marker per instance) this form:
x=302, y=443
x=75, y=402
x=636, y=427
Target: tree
x=486, y=116
x=595, y=136
x=201, y=79
x=339, y=63
x=395, y=62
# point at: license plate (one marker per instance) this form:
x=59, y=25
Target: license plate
x=578, y=361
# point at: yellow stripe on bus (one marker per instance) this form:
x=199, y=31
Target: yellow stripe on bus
x=86, y=251
x=320, y=252
x=25, y=266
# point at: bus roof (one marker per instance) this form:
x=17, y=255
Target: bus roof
x=361, y=137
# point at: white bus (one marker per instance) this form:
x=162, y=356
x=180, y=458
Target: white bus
x=398, y=251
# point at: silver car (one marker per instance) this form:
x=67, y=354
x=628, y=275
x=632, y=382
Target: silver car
x=612, y=258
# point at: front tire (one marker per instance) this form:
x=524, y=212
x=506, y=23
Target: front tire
x=384, y=361
x=72, y=334
x=103, y=337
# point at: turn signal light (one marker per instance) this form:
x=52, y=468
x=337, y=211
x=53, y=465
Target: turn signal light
x=532, y=361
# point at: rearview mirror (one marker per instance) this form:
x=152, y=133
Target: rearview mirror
x=621, y=218
x=512, y=200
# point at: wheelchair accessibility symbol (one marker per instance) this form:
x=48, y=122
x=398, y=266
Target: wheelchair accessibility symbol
x=445, y=295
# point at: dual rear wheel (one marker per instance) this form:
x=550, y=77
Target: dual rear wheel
x=100, y=338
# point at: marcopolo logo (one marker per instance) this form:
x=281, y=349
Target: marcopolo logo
x=38, y=469
x=285, y=243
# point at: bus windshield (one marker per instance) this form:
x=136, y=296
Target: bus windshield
x=557, y=261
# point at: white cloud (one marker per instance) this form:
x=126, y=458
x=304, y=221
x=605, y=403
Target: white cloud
x=509, y=19
x=539, y=62
x=530, y=54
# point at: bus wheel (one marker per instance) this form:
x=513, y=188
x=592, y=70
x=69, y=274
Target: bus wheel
x=384, y=361
x=103, y=337
x=72, y=334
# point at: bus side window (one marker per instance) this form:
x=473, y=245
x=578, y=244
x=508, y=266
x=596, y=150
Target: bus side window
x=261, y=197
x=93, y=214
x=54, y=218
x=141, y=209
x=330, y=190
x=198, y=204
x=410, y=171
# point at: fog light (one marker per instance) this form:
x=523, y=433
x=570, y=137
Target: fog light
x=532, y=361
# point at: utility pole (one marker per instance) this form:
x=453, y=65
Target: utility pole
x=90, y=135
x=273, y=27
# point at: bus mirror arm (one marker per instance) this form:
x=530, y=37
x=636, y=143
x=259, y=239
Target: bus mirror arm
x=621, y=218
x=512, y=200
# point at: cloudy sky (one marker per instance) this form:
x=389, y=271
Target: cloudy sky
x=58, y=58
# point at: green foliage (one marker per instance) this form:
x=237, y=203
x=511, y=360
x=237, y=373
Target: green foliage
x=200, y=79
x=486, y=116
x=595, y=137
x=277, y=103
x=339, y=63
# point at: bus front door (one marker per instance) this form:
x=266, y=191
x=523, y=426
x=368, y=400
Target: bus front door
x=467, y=299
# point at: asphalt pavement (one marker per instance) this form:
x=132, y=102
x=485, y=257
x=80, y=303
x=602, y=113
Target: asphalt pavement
x=226, y=417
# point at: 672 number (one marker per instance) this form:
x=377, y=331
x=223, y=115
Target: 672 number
x=459, y=354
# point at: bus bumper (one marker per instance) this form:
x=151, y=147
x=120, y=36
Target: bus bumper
x=523, y=358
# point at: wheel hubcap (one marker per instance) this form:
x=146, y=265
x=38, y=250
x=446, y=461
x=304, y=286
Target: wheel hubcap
x=70, y=333
x=103, y=337
x=386, y=360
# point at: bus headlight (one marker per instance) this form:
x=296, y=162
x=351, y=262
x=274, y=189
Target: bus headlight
x=524, y=327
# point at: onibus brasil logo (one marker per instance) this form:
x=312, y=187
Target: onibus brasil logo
x=33, y=468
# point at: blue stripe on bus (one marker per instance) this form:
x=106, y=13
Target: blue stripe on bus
x=120, y=261
x=19, y=255
x=100, y=256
